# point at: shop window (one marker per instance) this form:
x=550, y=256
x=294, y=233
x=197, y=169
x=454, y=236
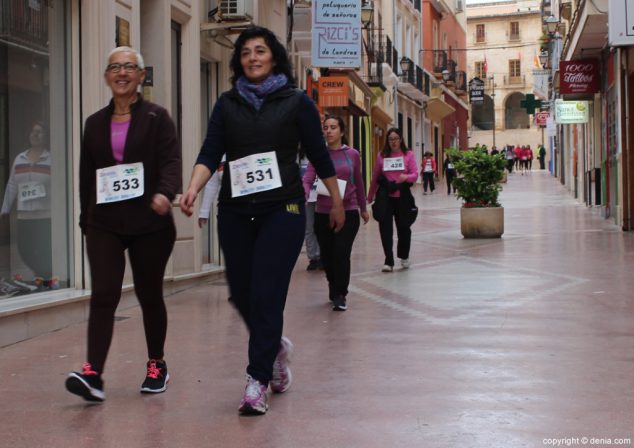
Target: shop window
x=35, y=150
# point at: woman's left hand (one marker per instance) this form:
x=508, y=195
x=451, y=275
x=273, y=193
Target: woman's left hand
x=402, y=178
x=337, y=217
x=366, y=217
x=160, y=204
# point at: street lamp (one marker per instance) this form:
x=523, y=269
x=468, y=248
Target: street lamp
x=406, y=65
x=492, y=79
x=543, y=58
x=367, y=13
x=445, y=75
x=552, y=23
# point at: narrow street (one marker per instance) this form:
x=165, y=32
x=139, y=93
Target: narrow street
x=509, y=342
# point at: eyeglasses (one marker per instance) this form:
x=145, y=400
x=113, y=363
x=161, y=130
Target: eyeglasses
x=115, y=67
x=393, y=139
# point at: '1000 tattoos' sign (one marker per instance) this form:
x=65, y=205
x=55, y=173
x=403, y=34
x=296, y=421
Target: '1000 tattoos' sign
x=336, y=35
x=578, y=77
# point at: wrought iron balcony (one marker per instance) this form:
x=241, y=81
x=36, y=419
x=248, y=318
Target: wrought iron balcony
x=440, y=61
x=461, y=81
x=25, y=23
x=451, y=71
x=411, y=80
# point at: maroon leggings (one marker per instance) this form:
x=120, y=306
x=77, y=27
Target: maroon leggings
x=148, y=255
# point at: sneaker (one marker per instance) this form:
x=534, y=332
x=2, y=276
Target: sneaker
x=405, y=263
x=387, y=268
x=314, y=265
x=282, y=376
x=87, y=384
x=254, y=400
x=339, y=304
x=157, y=377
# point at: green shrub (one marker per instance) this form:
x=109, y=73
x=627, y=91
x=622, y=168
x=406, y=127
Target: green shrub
x=478, y=177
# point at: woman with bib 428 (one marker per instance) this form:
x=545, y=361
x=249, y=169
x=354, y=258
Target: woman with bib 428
x=259, y=125
x=395, y=171
x=130, y=171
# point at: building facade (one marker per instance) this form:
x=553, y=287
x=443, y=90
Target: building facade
x=503, y=50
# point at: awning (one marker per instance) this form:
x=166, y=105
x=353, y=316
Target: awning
x=437, y=109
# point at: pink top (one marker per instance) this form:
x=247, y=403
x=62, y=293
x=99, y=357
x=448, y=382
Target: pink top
x=118, y=134
x=411, y=170
x=347, y=164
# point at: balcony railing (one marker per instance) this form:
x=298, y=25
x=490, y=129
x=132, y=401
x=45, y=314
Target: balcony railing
x=374, y=60
x=451, y=69
x=461, y=81
x=514, y=80
x=440, y=61
x=25, y=23
x=417, y=5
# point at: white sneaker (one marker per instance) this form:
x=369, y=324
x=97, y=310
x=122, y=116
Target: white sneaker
x=405, y=263
x=387, y=268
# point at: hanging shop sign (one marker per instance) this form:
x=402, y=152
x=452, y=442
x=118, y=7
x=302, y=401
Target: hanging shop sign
x=476, y=91
x=541, y=81
x=621, y=22
x=336, y=34
x=571, y=112
x=541, y=118
x=579, y=77
x=334, y=91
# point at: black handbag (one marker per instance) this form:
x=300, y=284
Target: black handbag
x=379, y=206
x=408, y=211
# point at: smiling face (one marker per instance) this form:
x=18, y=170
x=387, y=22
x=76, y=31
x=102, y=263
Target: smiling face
x=332, y=133
x=256, y=59
x=36, y=136
x=123, y=75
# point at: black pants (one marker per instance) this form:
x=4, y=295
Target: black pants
x=403, y=233
x=336, y=248
x=449, y=175
x=428, y=179
x=509, y=164
x=148, y=255
x=542, y=164
x=261, y=249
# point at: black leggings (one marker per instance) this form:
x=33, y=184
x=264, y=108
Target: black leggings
x=34, y=245
x=261, y=248
x=336, y=248
x=148, y=255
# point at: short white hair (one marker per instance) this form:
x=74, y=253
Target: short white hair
x=139, y=57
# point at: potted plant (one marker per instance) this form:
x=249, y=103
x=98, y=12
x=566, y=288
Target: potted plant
x=478, y=185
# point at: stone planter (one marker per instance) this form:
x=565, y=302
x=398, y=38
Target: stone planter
x=483, y=222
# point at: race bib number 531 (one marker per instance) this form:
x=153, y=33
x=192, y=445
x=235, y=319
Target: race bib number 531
x=119, y=183
x=254, y=173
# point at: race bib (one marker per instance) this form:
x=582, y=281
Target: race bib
x=120, y=183
x=428, y=167
x=254, y=173
x=393, y=164
x=28, y=191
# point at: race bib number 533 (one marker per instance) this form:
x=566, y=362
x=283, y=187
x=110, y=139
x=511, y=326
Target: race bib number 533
x=254, y=173
x=119, y=183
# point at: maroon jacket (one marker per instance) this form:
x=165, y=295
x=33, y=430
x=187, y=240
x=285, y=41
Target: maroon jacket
x=152, y=140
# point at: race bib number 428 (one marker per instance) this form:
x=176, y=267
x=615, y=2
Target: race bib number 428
x=119, y=183
x=254, y=173
x=393, y=164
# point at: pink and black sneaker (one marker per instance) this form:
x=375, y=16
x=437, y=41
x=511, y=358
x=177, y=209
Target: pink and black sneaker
x=157, y=377
x=87, y=384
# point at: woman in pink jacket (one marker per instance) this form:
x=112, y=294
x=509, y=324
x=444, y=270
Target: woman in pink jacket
x=396, y=171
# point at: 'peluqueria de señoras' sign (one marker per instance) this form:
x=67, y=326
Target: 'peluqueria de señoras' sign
x=336, y=33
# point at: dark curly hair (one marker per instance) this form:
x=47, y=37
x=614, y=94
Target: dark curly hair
x=280, y=57
x=387, y=150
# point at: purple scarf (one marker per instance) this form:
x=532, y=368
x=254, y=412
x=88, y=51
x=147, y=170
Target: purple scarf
x=255, y=93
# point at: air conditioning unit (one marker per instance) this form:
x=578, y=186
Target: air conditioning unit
x=459, y=5
x=236, y=9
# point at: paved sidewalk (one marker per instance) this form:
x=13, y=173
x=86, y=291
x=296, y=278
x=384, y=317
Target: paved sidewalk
x=504, y=343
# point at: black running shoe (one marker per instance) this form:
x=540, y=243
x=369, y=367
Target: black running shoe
x=339, y=304
x=157, y=377
x=87, y=384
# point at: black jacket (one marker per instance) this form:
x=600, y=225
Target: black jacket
x=286, y=118
x=152, y=140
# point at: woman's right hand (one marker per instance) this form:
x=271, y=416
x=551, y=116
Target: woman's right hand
x=187, y=201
